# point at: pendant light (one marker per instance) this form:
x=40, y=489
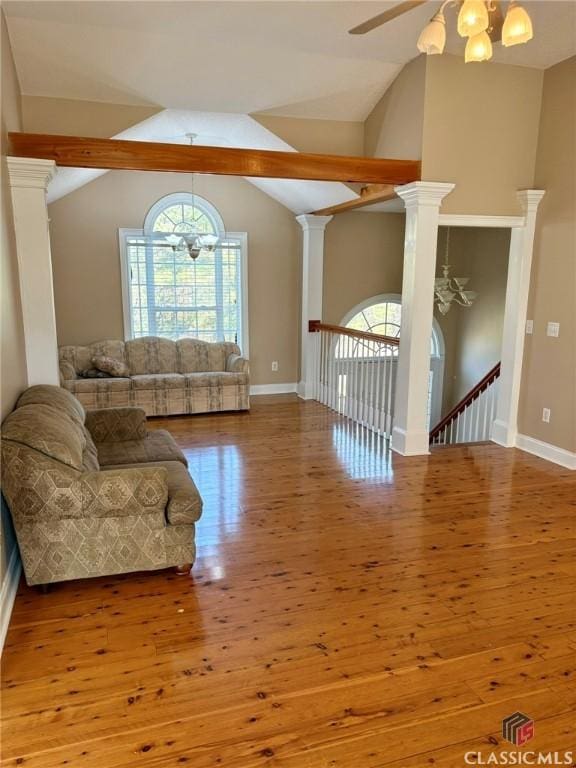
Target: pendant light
x=448, y=290
x=478, y=48
x=192, y=242
x=433, y=37
x=517, y=26
x=473, y=18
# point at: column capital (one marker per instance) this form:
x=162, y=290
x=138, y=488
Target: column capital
x=419, y=193
x=530, y=199
x=30, y=172
x=309, y=221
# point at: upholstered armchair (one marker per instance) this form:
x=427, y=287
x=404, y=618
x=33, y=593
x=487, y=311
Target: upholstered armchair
x=97, y=494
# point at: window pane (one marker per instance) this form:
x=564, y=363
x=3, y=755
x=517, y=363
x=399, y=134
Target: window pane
x=173, y=295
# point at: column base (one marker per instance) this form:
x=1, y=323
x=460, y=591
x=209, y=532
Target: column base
x=410, y=443
x=305, y=390
x=502, y=434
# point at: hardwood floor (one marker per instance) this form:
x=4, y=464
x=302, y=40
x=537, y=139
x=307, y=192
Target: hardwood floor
x=348, y=609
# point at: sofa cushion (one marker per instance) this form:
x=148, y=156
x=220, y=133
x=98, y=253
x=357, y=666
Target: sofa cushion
x=151, y=354
x=195, y=356
x=184, y=501
x=108, y=384
x=158, y=381
x=49, y=431
x=159, y=445
x=80, y=357
x=55, y=397
x=212, y=379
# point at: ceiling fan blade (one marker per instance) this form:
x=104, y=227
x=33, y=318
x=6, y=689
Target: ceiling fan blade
x=382, y=18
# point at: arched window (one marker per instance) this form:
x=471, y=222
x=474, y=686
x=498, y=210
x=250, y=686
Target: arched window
x=382, y=315
x=168, y=293
x=181, y=212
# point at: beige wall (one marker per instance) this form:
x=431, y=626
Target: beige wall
x=84, y=235
x=394, y=127
x=549, y=372
x=363, y=257
x=330, y=137
x=68, y=117
x=13, y=362
x=480, y=131
x=473, y=335
x=370, y=246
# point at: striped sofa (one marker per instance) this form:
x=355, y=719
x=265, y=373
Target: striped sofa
x=163, y=377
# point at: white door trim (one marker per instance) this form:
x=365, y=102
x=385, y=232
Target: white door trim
x=471, y=220
x=505, y=426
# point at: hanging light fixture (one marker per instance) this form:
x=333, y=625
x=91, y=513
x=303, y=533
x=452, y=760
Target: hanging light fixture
x=478, y=48
x=517, y=26
x=433, y=37
x=451, y=289
x=192, y=242
x=472, y=18
x=481, y=22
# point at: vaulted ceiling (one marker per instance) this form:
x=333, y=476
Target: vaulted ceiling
x=292, y=58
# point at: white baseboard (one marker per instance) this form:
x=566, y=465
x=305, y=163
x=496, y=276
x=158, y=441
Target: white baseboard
x=272, y=389
x=8, y=592
x=546, y=451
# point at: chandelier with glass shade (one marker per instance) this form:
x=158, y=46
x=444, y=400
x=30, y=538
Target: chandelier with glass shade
x=481, y=22
x=448, y=290
x=192, y=243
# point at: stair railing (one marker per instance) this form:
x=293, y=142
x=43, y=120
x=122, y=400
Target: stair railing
x=470, y=421
x=355, y=374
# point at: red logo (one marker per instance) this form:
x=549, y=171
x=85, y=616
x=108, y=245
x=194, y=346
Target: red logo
x=518, y=729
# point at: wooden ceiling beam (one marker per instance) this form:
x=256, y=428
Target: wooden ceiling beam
x=373, y=193
x=117, y=154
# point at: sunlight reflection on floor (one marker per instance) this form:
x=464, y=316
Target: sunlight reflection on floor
x=364, y=454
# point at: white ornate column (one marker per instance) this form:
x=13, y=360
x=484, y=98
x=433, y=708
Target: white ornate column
x=422, y=200
x=312, y=276
x=28, y=181
x=505, y=427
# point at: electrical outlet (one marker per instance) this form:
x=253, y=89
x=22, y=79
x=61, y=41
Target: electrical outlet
x=546, y=415
x=529, y=326
x=274, y=365
x=553, y=329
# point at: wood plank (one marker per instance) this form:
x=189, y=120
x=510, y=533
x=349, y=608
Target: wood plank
x=343, y=600
x=87, y=152
x=374, y=193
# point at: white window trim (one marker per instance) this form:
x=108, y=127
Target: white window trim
x=185, y=198
x=124, y=233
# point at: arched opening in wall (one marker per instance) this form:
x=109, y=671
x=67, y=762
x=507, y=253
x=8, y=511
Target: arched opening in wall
x=382, y=315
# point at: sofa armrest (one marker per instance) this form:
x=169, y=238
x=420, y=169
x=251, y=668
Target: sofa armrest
x=124, y=492
x=237, y=364
x=115, y=425
x=67, y=371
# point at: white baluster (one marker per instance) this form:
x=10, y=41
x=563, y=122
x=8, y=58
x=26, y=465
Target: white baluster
x=371, y=387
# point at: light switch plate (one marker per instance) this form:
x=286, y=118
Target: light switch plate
x=546, y=415
x=529, y=326
x=553, y=329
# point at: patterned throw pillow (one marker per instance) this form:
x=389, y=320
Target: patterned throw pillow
x=110, y=365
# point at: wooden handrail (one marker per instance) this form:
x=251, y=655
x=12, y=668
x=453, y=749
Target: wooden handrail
x=475, y=392
x=314, y=326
